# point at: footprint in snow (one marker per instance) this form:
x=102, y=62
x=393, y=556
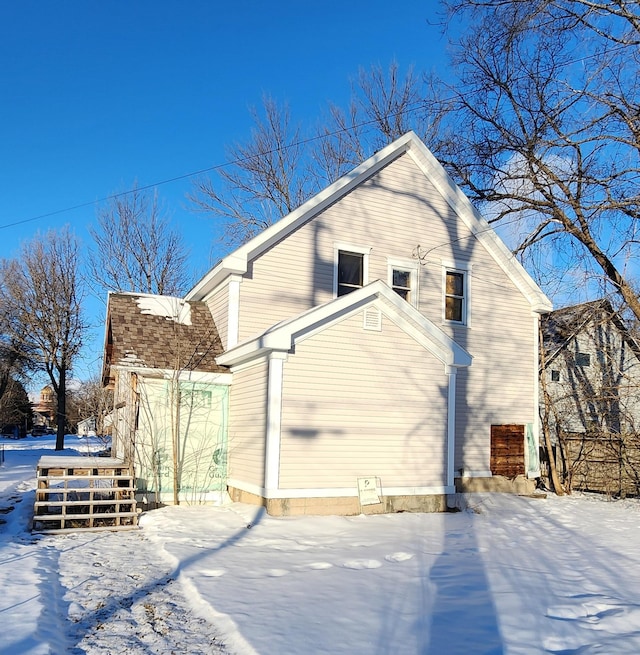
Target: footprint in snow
x=359, y=564
x=213, y=573
x=277, y=573
x=399, y=557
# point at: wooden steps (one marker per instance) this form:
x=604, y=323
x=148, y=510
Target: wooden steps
x=74, y=493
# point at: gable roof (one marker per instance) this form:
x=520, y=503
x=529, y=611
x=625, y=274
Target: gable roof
x=161, y=332
x=563, y=325
x=238, y=261
x=283, y=336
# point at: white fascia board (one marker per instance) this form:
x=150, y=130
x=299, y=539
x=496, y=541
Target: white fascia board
x=238, y=261
x=479, y=227
x=429, y=334
x=183, y=376
x=211, y=281
x=283, y=336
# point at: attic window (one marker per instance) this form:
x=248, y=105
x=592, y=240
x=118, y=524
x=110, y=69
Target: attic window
x=349, y=272
x=555, y=376
x=583, y=359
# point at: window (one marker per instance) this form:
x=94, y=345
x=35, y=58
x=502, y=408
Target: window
x=402, y=277
x=454, y=300
x=401, y=284
x=555, y=376
x=350, y=268
x=583, y=359
x=349, y=272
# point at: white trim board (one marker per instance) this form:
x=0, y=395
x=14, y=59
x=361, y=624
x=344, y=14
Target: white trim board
x=238, y=261
x=283, y=336
x=169, y=374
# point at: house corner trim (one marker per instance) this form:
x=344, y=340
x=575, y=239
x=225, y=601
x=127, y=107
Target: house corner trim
x=451, y=424
x=274, y=420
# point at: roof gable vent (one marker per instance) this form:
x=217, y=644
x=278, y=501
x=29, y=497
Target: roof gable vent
x=372, y=319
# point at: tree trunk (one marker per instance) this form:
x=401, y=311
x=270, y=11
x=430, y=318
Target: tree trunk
x=61, y=411
x=176, y=444
x=553, y=471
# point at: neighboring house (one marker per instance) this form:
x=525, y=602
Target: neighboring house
x=590, y=395
x=379, y=347
x=383, y=347
x=170, y=397
x=87, y=427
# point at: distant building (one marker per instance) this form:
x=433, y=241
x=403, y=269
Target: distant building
x=44, y=411
x=87, y=427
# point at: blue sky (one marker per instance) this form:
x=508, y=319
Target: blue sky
x=97, y=95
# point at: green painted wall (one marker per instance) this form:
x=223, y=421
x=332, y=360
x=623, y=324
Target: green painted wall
x=194, y=415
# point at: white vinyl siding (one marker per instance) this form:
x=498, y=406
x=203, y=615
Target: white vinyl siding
x=401, y=215
x=218, y=304
x=247, y=420
x=360, y=403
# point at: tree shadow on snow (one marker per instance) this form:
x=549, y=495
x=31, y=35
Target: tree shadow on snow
x=126, y=601
x=464, y=617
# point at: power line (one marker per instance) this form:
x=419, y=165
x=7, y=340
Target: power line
x=411, y=107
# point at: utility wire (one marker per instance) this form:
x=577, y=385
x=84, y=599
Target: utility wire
x=411, y=107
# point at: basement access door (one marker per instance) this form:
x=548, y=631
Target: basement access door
x=507, y=450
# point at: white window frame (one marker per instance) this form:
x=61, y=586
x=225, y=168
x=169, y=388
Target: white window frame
x=464, y=269
x=358, y=250
x=408, y=266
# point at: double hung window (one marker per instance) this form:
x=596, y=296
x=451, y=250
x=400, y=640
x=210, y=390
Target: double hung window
x=402, y=277
x=456, y=296
x=401, y=283
x=350, y=272
x=350, y=265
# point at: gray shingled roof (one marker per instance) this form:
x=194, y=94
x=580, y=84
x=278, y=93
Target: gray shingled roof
x=142, y=332
x=562, y=325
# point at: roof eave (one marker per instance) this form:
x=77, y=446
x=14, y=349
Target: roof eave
x=238, y=261
x=282, y=336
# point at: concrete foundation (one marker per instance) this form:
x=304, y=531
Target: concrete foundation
x=341, y=505
x=520, y=485
x=350, y=505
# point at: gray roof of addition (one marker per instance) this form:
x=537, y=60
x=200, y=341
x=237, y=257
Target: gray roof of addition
x=160, y=332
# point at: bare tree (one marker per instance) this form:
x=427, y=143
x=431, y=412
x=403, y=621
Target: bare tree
x=280, y=167
x=14, y=356
x=42, y=295
x=384, y=105
x=548, y=93
x=90, y=399
x=136, y=249
x=267, y=177
x=15, y=408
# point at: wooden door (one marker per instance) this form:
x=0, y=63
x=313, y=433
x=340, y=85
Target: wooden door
x=507, y=450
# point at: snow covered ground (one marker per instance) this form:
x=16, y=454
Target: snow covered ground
x=512, y=575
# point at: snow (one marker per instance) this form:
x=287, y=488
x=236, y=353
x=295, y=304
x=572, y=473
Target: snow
x=510, y=575
x=173, y=309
